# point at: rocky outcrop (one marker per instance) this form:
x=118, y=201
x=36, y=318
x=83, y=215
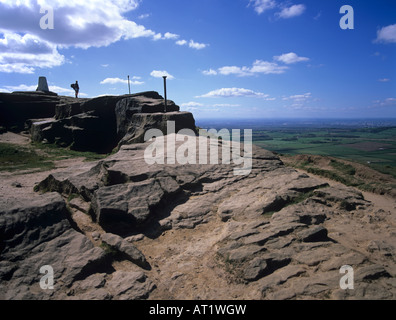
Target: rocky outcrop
x=149, y=102
x=39, y=232
x=18, y=107
x=273, y=234
x=97, y=124
x=140, y=123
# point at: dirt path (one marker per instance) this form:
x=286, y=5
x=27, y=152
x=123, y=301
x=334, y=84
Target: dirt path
x=184, y=262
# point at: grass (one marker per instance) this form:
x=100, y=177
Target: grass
x=13, y=158
x=338, y=143
x=38, y=156
x=58, y=153
x=349, y=174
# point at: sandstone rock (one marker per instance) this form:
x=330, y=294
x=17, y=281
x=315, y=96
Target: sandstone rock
x=314, y=234
x=237, y=248
x=38, y=232
x=130, y=285
x=140, y=123
x=147, y=102
x=128, y=250
x=16, y=108
x=255, y=270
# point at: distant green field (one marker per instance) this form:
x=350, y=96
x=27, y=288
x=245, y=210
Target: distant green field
x=375, y=147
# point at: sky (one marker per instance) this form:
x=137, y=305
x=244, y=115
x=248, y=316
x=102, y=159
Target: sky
x=230, y=59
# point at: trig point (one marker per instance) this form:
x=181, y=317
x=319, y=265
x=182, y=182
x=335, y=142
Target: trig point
x=42, y=84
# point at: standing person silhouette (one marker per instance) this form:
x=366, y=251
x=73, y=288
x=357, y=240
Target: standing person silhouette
x=76, y=88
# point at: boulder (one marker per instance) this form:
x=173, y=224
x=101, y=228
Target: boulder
x=127, y=249
x=39, y=232
x=99, y=124
x=149, y=102
x=130, y=285
x=17, y=107
x=140, y=123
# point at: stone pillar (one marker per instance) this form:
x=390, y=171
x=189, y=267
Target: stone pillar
x=42, y=84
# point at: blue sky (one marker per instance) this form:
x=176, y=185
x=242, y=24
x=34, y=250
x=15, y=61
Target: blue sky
x=224, y=58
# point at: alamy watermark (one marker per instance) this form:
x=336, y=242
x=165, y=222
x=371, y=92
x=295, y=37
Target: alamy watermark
x=47, y=281
x=347, y=281
x=348, y=19
x=163, y=149
x=47, y=20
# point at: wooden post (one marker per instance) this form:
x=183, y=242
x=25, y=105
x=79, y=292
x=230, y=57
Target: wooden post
x=166, y=102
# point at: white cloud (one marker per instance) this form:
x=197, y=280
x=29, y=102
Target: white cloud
x=258, y=67
x=160, y=74
x=24, y=87
x=262, y=5
x=290, y=58
x=84, y=24
x=233, y=92
x=266, y=67
x=299, y=97
x=192, y=104
x=181, y=42
x=157, y=36
x=192, y=44
x=23, y=54
x=169, y=35
x=144, y=16
x=123, y=81
x=166, y=36
x=196, y=45
x=227, y=70
x=195, y=105
x=80, y=24
x=384, y=80
x=209, y=72
x=226, y=105
x=293, y=11
x=387, y=34
x=384, y=103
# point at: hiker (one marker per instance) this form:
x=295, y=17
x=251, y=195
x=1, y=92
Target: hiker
x=76, y=88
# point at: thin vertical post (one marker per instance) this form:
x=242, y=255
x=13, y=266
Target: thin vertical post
x=166, y=102
x=129, y=86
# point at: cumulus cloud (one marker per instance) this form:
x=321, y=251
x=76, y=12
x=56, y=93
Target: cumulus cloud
x=24, y=87
x=181, y=42
x=233, y=92
x=261, y=6
x=123, y=81
x=290, y=58
x=22, y=54
x=293, y=11
x=192, y=104
x=169, y=35
x=209, y=72
x=299, y=97
x=144, y=16
x=197, y=45
x=266, y=67
x=91, y=23
x=258, y=67
x=387, y=34
x=160, y=74
x=196, y=106
x=389, y=102
x=81, y=24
